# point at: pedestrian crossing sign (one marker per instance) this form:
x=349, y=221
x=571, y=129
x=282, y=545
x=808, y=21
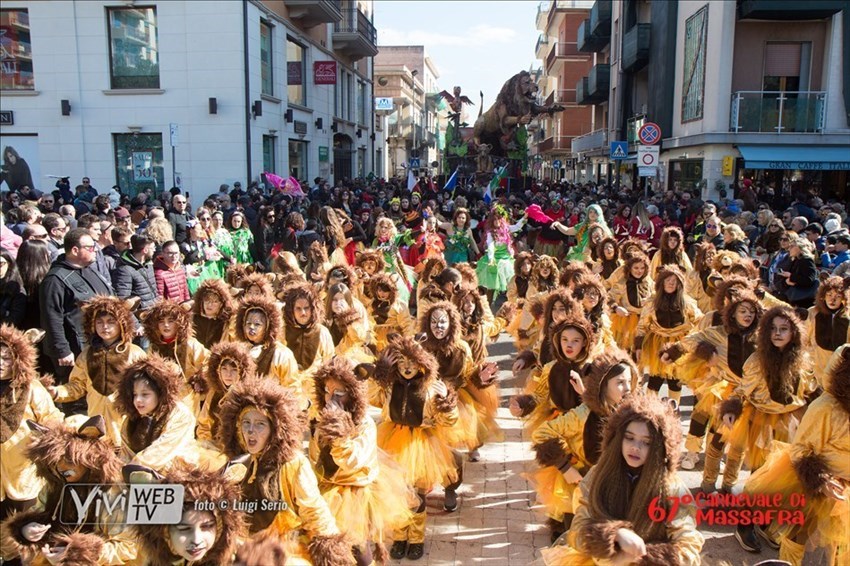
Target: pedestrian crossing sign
x=619, y=150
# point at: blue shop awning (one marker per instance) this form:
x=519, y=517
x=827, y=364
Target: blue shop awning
x=803, y=157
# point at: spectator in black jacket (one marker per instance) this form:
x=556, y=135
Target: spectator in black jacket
x=802, y=274
x=70, y=281
x=133, y=277
x=101, y=264
x=734, y=240
x=13, y=297
x=178, y=217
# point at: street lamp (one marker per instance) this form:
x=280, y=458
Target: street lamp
x=413, y=73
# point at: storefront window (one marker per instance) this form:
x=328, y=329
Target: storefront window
x=133, y=48
x=685, y=175
x=268, y=154
x=295, y=73
x=16, y=63
x=298, y=159
x=266, y=59
x=138, y=162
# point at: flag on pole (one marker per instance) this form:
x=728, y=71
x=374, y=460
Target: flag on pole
x=412, y=182
x=452, y=182
x=501, y=173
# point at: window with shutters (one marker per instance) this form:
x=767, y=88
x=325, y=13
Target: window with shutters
x=784, y=67
x=693, y=87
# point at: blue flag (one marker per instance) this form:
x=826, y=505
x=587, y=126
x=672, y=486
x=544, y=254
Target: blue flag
x=494, y=183
x=452, y=182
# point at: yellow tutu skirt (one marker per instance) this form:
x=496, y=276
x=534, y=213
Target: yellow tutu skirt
x=650, y=355
x=487, y=405
x=464, y=433
x=826, y=521
x=563, y=555
x=624, y=329
x=553, y=492
x=545, y=411
x=756, y=431
x=423, y=455
x=370, y=513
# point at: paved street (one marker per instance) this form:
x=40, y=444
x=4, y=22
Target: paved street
x=497, y=521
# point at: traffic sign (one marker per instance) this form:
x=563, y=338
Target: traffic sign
x=647, y=155
x=649, y=133
x=414, y=163
x=647, y=171
x=556, y=164
x=619, y=150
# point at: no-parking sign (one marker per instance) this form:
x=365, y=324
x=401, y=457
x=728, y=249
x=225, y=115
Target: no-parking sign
x=649, y=133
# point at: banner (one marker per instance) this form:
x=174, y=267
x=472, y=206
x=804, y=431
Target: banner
x=21, y=166
x=293, y=73
x=324, y=72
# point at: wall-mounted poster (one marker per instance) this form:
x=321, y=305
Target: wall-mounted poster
x=20, y=165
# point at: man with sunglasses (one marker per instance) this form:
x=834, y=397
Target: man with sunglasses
x=178, y=216
x=70, y=282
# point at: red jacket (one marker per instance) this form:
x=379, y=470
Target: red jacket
x=170, y=283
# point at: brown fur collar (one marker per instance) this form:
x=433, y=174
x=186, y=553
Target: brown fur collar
x=333, y=550
x=268, y=308
x=307, y=292
x=580, y=323
x=236, y=273
x=453, y=336
x=220, y=289
x=276, y=402
x=341, y=370
x=728, y=314
x=386, y=373
x=554, y=273
x=570, y=271
x=597, y=374
x=833, y=283
x=727, y=287
x=80, y=548
x=365, y=256
x=467, y=274
x=382, y=282
x=344, y=319
x=164, y=373
x=659, y=415
x=103, y=304
x=350, y=277
x=199, y=485
x=432, y=293
x=838, y=377
x=236, y=351
x=23, y=356
x=164, y=308
x=259, y=280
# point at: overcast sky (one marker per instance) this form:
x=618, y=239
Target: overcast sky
x=476, y=45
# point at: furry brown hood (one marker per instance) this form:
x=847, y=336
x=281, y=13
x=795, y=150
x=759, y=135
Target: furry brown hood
x=23, y=356
x=453, y=336
x=597, y=374
x=407, y=346
x=105, y=304
x=365, y=256
x=632, y=260
x=729, y=311
x=349, y=277
x=268, y=308
x=235, y=351
x=520, y=259
x=579, y=322
x=729, y=286
x=383, y=282
x=600, y=249
x=631, y=245
x=433, y=293
x=236, y=273
x=162, y=309
x=725, y=260
x=341, y=370
x=278, y=404
x=215, y=287
x=84, y=445
x=543, y=308
x=838, y=376
x=259, y=280
x=704, y=253
x=458, y=300
x=432, y=267
x=554, y=272
x=664, y=272
x=833, y=283
x=165, y=374
x=665, y=238
x=659, y=416
x=592, y=282
x=570, y=271
x=302, y=291
x=467, y=274
x=199, y=486
x=286, y=264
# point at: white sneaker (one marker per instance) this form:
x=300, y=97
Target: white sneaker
x=690, y=460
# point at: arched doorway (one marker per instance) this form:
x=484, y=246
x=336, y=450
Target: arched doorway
x=343, y=156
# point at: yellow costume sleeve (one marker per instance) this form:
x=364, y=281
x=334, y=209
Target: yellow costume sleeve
x=512, y=294
x=825, y=431
x=78, y=381
x=177, y=436
x=541, y=385
x=754, y=389
x=569, y=430
x=431, y=414
x=357, y=455
x=298, y=484
x=42, y=405
x=197, y=355
x=682, y=529
x=646, y=321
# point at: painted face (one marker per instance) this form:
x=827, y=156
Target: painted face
x=559, y=312
x=5, y=363
x=833, y=299
x=744, y=315
x=636, y=442
x=545, y=271
x=338, y=304
x=407, y=367
x=590, y=299
x=439, y=324
x=194, y=535
x=212, y=305
x=780, y=332
x=303, y=311
x=671, y=284
x=253, y=292
x=596, y=236
x=70, y=472
x=256, y=429
x=618, y=386
x=145, y=399
x=608, y=251
x=228, y=372
x=638, y=270
x=167, y=327
x=106, y=326
x=336, y=393
x=572, y=343
x=370, y=267
x=255, y=326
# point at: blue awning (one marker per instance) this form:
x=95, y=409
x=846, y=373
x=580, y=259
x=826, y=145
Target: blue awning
x=794, y=157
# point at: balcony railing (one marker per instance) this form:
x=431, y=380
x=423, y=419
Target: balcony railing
x=636, y=47
x=561, y=50
x=596, y=139
x=355, y=34
x=600, y=19
x=542, y=44
x=554, y=143
x=313, y=12
x=562, y=96
x=789, y=11
x=778, y=112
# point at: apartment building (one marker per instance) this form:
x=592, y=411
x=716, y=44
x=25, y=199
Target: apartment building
x=156, y=94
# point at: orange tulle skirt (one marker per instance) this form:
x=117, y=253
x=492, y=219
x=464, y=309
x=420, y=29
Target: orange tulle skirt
x=624, y=329
x=755, y=431
x=464, y=433
x=372, y=512
x=553, y=492
x=487, y=405
x=650, y=355
x=563, y=555
x=424, y=456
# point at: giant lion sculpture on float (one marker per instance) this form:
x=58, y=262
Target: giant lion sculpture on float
x=515, y=106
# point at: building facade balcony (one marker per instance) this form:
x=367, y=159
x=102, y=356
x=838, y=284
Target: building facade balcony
x=554, y=144
x=541, y=47
x=788, y=11
x=309, y=13
x=597, y=139
x=636, y=47
x=560, y=52
x=355, y=35
x=542, y=16
x=600, y=19
x=593, y=88
x=778, y=112
x=561, y=96
x=586, y=42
